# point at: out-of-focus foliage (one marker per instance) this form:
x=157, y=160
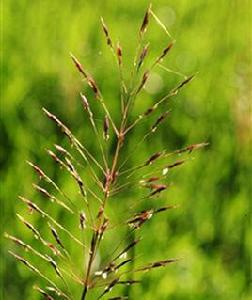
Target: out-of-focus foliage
x=211, y=231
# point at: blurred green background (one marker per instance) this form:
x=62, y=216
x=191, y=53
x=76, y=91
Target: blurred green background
x=211, y=231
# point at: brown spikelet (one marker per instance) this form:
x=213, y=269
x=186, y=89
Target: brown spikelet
x=83, y=219
x=44, y=192
x=103, y=227
x=148, y=111
x=93, y=243
x=145, y=21
x=153, y=157
x=176, y=164
x=15, y=240
x=121, y=264
x=109, y=287
x=119, y=53
x=93, y=85
x=62, y=151
x=159, y=120
x=192, y=147
x=55, y=157
x=148, y=180
x=78, y=65
x=143, y=81
x=196, y=146
x=157, y=188
x=158, y=264
x=55, y=266
x=56, y=236
x=32, y=228
x=37, y=169
x=106, y=128
x=165, y=52
x=142, y=56
x=110, y=268
x=184, y=82
x=62, y=126
x=52, y=198
x=100, y=212
x=125, y=250
x=84, y=101
x=25, y=262
x=128, y=282
x=76, y=177
x=139, y=219
x=31, y=205
x=165, y=208
x=100, y=231
x=106, y=33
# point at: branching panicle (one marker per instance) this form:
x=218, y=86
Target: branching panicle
x=98, y=180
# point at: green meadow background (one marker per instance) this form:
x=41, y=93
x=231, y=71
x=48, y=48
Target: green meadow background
x=211, y=230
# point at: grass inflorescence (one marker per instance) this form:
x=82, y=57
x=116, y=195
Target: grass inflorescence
x=108, y=177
